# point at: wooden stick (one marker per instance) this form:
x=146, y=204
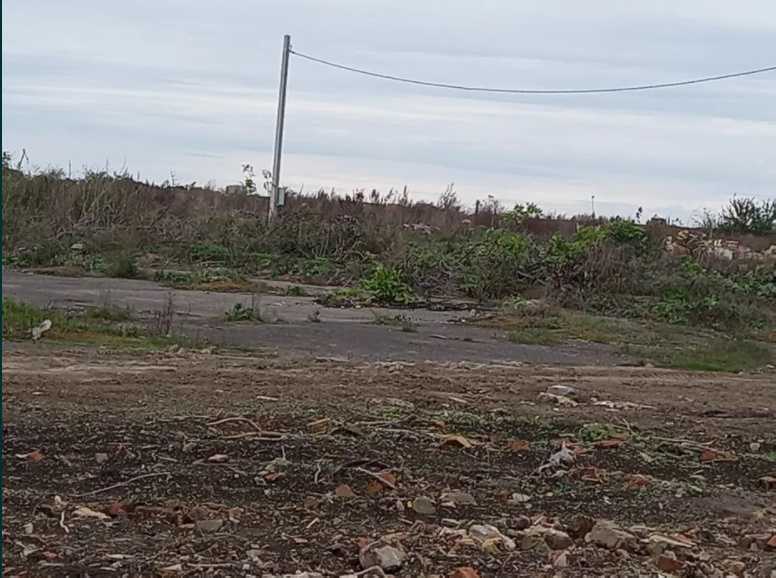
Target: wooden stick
x=122, y=484
x=229, y=419
x=377, y=477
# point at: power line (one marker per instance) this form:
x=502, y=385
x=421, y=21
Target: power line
x=533, y=91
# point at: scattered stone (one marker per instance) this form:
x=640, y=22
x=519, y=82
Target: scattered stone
x=29, y=528
x=580, y=525
x=218, y=458
x=101, y=458
x=556, y=539
x=77, y=247
x=490, y=538
x=464, y=572
x=755, y=446
x=254, y=556
x=458, y=499
x=558, y=399
x=608, y=535
x=379, y=554
x=424, y=506
x=518, y=498
x=562, y=390
x=521, y=522
x=735, y=567
x=213, y=525
x=545, y=538
x=668, y=563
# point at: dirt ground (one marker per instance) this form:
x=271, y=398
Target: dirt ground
x=201, y=463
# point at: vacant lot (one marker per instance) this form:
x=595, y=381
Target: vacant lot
x=199, y=463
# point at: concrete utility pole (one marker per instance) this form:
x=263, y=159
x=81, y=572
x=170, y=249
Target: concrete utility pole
x=274, y=200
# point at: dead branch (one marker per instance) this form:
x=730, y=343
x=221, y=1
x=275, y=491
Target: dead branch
x=122, y=484
x=239, y=418
x=377, y=477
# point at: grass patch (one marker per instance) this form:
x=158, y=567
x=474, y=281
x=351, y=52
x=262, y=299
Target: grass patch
x=728, y=355
x=663, y=344
x=407, y=325
x=101, y=326
x=296, y=291
x=219, y=279
x=239, y=312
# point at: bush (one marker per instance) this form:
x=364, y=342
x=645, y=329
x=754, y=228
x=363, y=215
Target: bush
x=385, y=285
x=123, y=266
x=498, y=264
x=747, y=215
x=209, y=252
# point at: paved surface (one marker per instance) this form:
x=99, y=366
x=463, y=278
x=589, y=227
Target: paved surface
x=347, y=333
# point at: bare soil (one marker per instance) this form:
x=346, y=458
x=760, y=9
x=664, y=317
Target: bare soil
x=216, y=464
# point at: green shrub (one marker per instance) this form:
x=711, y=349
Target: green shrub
x=241, y=313
x=747, y=215
x=123, y=266
x=209, y=252
x=385, y=285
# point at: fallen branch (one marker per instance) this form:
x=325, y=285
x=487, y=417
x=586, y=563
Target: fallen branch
x=262, y=436
x=122, y=484
x=377, y=477
x=231, y=419
x=372, y=571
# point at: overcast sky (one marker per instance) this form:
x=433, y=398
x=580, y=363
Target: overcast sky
x=191, y=87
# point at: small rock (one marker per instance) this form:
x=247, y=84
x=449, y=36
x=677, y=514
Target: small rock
x=218, y=458
x=580, y=525
x=518, y=498
x=29, y=528
x=424, y=506
x=540, y=536
x=735, y=567
x=557, y=540
x=755, y=446
x=458, y=499
x=101, y=458
x=254, y=556
x=213, y=525
x=608, y=535
x=563, y=390
x=77, y=247
x=382, y=555
x=668, y=563
x=464, y=572
x=489, y=536
x=521, y=522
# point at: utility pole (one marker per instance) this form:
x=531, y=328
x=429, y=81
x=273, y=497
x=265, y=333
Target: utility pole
x=592, y=204
x=274, y=200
